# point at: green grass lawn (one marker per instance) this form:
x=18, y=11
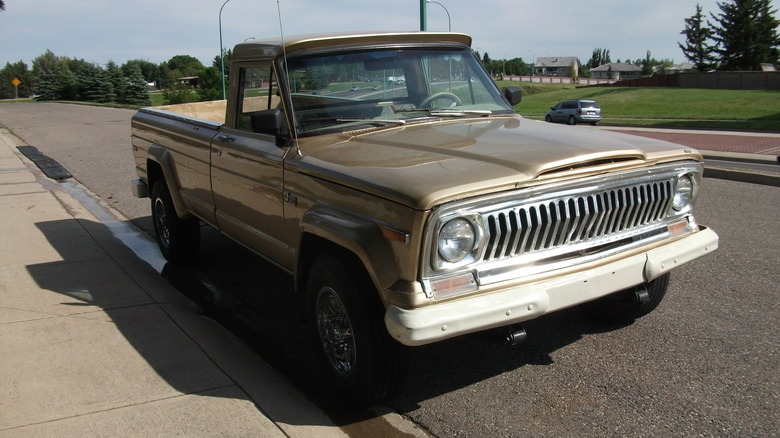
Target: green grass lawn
x=657, y=106
x=157, y=98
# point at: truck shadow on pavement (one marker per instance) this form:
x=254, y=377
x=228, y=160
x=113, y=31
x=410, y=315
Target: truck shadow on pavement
x=467, y=360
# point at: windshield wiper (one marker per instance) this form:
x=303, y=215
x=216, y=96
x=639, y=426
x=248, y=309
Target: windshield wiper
x=373, y=121
x=457, y=112
x=450, y=112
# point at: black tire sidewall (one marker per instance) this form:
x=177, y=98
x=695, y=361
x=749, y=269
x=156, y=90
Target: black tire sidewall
x=183, y=235
x=373, y=375
x=620, y=307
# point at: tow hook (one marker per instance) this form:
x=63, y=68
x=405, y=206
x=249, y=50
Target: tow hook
x=515, y=335
x=641, y=295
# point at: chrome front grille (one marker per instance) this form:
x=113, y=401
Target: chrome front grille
x=579, y=218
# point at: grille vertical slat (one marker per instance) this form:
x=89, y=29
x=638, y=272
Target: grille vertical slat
x=525, y=222
x=546, y=225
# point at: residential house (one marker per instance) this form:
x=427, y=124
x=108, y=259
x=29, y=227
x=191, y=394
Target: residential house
x=191, y=81
x=557, y=66
x=680, y=68
x=616, y=70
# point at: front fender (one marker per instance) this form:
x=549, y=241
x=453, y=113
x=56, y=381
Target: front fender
x=361, y=236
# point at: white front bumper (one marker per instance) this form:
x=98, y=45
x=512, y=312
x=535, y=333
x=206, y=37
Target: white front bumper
x=453, y=318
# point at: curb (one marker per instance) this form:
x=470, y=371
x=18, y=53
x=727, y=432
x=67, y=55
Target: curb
x=722, y=171
x=741, y=157
x=742, y=176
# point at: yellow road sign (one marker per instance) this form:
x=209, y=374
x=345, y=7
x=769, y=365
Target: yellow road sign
x=16, y=82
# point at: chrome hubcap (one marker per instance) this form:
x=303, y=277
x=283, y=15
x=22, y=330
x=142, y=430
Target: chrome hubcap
x=335, y=331
x=162, y=222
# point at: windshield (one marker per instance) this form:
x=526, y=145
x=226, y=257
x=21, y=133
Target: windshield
x=387, y=87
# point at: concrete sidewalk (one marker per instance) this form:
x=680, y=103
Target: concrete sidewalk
x=93, y=342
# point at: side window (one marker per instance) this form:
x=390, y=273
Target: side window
x=570, y=105
x=258, y=92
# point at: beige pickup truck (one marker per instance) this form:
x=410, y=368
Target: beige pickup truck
x=392, y=179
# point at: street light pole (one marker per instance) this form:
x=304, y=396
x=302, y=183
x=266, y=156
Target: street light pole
x=222, y=51
x=449, y=29
x=449, y=21
x=423, y=16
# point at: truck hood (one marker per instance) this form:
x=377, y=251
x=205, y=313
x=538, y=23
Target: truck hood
x=427, y=164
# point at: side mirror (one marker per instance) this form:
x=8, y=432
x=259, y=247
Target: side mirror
x=513, y=95
x=267, y=121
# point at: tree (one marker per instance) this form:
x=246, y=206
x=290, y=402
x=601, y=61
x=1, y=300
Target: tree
x=517, y=66
x=149, y=70
x=186, y=65
x=17, y=70
x=746, y=34
x=217, y=62
x=45, y=86
x=210, y=84
x=83, y=76
x=117, y=79
x=2, y=5
x=97, y=87
x=167, y=76
x=137, y=92
x=599, y=57
x=698, y=46
x=53, y=78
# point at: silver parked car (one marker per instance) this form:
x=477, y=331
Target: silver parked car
x=575, y=111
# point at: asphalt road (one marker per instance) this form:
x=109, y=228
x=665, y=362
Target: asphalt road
x=704, y=364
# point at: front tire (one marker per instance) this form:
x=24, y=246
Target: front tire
x=178, y=239
x=361, y=362
x=548, y=118
x=628, y=305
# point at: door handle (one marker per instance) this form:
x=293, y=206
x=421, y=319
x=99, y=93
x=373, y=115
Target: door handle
x=224, y=138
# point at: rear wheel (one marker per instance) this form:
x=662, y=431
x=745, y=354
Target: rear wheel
x=572, y=120
x=178, y=239
x=628, y=305
x=359, y=359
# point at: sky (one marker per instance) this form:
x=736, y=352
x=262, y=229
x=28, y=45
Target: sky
x=99, y=31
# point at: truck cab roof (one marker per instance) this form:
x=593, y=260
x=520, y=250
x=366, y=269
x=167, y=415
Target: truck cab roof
x=270, y=48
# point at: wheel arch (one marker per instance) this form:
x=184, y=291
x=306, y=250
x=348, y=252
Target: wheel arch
x=356, y=241
x=159, y=165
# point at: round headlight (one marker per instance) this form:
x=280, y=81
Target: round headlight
x=456, y=240
x=683, y=193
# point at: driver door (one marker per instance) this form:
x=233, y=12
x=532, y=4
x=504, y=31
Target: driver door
x=246, y=172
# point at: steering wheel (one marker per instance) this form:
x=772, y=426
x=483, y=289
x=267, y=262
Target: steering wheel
x=441, y=95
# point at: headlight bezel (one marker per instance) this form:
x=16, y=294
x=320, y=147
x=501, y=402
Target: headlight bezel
x=685, y=191
x=456, y=240
x=474, y=221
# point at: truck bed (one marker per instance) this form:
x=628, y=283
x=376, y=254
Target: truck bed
x=211, y=110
